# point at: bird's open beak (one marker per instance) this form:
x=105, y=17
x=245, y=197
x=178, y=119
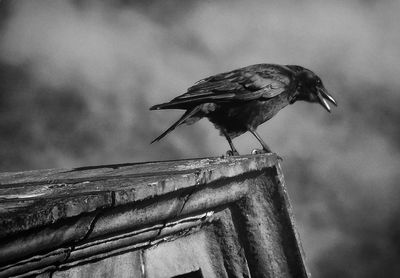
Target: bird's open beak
x=323, y=95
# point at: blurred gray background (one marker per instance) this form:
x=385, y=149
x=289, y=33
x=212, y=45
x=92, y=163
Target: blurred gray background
x=77, y=78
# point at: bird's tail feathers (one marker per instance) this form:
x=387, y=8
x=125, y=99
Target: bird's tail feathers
x=174, y=104
x=161, y=106
x=181, y=120
x=190, y=101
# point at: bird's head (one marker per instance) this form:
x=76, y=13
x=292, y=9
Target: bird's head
x=310, y=89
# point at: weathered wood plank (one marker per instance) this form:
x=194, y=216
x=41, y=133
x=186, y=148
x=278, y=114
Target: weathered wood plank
x=90, y=173
x=67, y=223
x=36, y=198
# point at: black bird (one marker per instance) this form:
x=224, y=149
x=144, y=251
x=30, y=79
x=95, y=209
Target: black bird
x=240, y=100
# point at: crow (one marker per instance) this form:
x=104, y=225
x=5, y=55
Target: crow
x=240, y=100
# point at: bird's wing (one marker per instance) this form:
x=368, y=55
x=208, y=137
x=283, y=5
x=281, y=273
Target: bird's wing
x=253, y=82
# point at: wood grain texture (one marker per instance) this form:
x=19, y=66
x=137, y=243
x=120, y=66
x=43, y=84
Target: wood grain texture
x=36, y=198
x=113, y=219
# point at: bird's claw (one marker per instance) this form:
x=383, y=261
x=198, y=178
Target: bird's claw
x=261, y=151
x=232, y=153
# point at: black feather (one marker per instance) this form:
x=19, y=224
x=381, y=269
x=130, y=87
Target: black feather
x=181, y=120
x=245, y=84
x=240, y=100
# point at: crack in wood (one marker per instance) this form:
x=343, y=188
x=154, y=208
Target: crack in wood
x=201, y=178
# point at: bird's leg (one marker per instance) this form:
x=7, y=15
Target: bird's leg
x=266, y=149
x=233, y=150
